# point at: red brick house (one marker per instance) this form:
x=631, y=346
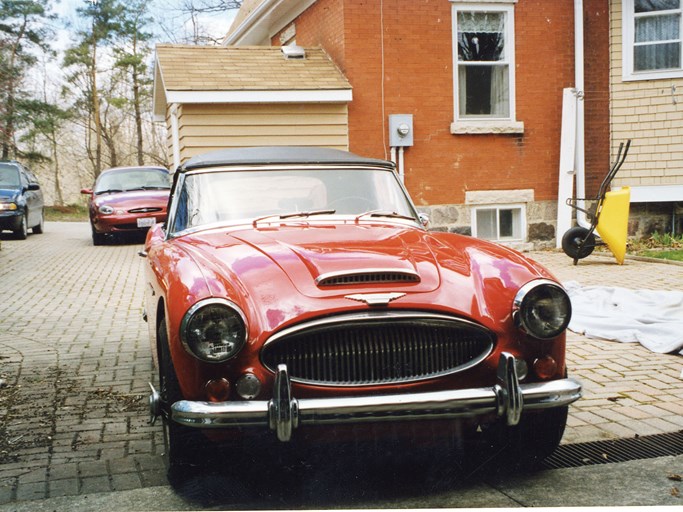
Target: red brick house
x=478, y=86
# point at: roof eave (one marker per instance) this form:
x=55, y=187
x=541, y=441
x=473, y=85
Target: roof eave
x=261, y=96
x=266, y=20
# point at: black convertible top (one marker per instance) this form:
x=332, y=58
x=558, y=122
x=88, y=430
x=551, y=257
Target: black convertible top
x=280, y=155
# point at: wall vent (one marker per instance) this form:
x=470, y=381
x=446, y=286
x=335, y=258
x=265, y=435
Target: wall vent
x=293, y=52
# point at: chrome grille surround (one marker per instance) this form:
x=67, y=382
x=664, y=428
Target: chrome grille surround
x=367, y=276
x=377, y=347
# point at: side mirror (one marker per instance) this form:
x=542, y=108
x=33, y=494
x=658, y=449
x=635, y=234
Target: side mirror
x=33, y=186
x=424, y=219
x=87, y=191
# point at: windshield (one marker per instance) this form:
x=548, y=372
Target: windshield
x=132, y=179
x=9, y=176
x=239, y=196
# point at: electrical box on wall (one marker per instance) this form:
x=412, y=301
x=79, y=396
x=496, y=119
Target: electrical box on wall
x=400, y=130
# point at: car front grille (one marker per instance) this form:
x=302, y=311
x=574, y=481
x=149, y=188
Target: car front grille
x=377, y=348
x=148, y=209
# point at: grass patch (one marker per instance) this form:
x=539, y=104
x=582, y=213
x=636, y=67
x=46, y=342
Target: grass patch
x=664, y=254
x=662, y=246
x=69, y=213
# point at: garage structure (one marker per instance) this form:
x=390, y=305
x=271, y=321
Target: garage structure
x=213, y=97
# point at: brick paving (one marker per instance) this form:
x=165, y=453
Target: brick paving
x=75, y=362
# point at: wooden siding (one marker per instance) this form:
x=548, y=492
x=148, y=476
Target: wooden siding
x=649, y=112
x=204, y=127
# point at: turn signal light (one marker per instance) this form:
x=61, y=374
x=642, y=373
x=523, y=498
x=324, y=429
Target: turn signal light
x=545, y=367
x=217, y=390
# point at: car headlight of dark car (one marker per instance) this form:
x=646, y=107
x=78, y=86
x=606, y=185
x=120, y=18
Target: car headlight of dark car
x=106, y=209
x=8, y=206
x=542, y=309
x=213, y=330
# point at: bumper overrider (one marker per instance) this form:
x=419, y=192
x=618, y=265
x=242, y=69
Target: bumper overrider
x=283, y=413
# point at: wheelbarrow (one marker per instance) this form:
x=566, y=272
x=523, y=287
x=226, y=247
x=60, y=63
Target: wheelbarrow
x=609, y=217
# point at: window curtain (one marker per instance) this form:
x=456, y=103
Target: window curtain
x=483, y=88
x=657, y=37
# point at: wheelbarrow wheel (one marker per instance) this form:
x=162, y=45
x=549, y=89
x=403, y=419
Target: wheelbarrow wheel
x=572, y=240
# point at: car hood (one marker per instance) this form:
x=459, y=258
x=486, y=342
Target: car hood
x=8, y=193
x=134, y=199
x=276, y=270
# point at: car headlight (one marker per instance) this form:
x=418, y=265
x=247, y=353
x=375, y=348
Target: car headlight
x=213, y=330
x=106, y=209
x=8, y=206
x=542, y=309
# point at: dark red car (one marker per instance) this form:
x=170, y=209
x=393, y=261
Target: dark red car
x=297, y=290
x=127, y=200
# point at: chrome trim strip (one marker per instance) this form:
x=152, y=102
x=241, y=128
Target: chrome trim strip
x=459, y=403
x=414, y=276
x=363, y=316
x=367, y=316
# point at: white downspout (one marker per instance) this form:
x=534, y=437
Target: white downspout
x=175, y=136
x=401, y=170
x=580, y=116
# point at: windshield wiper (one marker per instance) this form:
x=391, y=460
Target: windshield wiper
x=147, y=188
x=108, y=191
x=293, y=215
x=384, y=213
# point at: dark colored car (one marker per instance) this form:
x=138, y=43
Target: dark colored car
x=297, y=291
x=127, y=200
x=21, y=200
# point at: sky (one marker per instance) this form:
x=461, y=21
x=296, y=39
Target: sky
x=167, y=12
x=169, y=27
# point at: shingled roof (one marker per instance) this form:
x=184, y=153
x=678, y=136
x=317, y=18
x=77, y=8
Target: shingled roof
x=238, y=74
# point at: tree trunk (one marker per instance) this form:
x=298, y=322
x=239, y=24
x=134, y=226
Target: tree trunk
x=59, y=196
x=8, y=137
x=96, y=107
x=136, y=104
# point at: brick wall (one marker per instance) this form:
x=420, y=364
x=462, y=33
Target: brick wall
x=398, y=56
x=418, y=80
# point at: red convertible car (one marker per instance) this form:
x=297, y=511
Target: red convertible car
x=298, y=291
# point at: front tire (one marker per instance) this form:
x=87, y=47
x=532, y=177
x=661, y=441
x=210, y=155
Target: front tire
x=21, y=233
x=97, y=238
x=181, y=442
x=536, y=437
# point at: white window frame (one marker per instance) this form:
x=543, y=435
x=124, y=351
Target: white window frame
x=498, y=207
x=628, y=45
x=469, y=125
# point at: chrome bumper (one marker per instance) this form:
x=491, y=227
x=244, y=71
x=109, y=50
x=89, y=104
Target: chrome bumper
x=283, y=413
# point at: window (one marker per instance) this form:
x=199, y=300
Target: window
x=652, y=39
x=501, y=223
x=484, y=47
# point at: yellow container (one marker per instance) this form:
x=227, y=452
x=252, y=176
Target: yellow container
x=613, y=221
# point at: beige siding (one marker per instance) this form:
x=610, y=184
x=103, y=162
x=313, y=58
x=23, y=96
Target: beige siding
x=650, y=112
x=204, y=127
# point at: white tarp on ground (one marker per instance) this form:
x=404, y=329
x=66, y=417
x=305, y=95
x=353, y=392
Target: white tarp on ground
x=652, y=318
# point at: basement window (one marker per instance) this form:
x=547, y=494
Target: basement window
x=500, y=223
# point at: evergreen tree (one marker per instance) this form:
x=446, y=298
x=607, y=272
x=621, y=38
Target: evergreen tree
x=23, y=35
x=103, y=22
